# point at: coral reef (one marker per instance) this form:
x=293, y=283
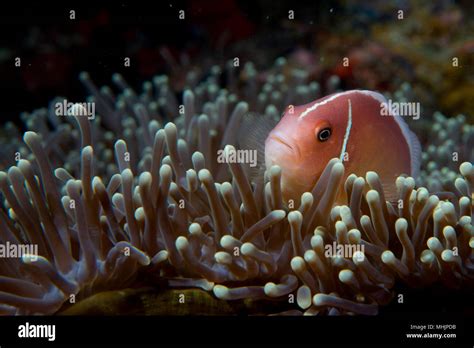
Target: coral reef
x=145, y=196
x=434, y=41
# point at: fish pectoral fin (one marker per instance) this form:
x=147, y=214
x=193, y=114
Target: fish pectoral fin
x=251, y=135
x=390, y=192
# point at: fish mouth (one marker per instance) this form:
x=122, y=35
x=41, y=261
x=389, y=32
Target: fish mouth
x=281, y=141
x=293, y=148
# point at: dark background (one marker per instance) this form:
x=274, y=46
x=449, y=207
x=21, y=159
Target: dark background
x=54, y=49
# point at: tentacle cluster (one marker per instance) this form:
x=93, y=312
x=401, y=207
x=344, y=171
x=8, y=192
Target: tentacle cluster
x=452, y=142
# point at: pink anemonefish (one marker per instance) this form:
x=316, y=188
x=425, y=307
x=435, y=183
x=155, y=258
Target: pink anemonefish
x=349, y=126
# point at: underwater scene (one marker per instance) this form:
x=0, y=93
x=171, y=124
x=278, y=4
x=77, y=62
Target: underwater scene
x=238, y=159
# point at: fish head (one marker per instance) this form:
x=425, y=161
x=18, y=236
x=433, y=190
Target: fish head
x=302, y=144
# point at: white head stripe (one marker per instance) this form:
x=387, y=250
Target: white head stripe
x=348, y=131
x=325, y=101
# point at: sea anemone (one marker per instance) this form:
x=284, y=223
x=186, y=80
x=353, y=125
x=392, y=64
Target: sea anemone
x=452, y=139
x=146, y=195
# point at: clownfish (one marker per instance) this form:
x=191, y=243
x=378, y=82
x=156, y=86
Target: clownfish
x=347, y=125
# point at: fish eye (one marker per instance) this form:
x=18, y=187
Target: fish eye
x=324, y=134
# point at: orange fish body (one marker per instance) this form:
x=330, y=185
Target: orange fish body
x=350, y=126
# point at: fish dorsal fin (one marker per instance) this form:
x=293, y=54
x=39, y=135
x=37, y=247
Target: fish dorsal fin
x=252, y=134
x=410, y=137
x=413, y=144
